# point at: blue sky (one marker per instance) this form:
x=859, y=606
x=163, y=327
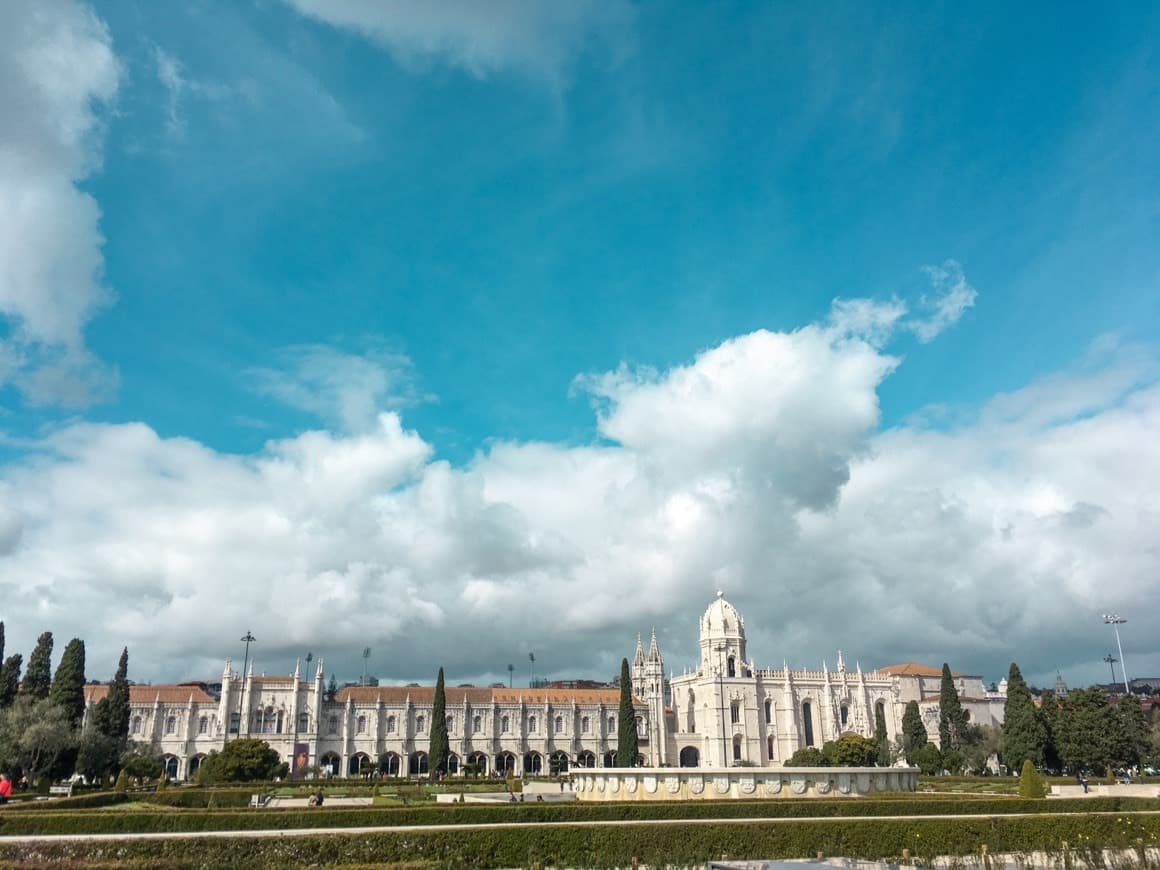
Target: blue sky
x=467, y=215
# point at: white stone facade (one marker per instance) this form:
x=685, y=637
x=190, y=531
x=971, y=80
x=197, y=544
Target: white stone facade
x=724, y=713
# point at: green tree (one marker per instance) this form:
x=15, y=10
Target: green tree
x=1024, y=734
x=1, y=640
x=913, y=731
x=1133, y=733
x=951, y=721
x=246, y=760
x=112, y=713
x=928, y=759
x=143, y=761
x=68, y=685
x=10, y=679
x=851, y=750
x=1031, y=784
x=98, y=754
x=1049, y=707
x=440, y=747
x=34, y=735
x=883, y=758
x=626, y=739
x=38, y=674
x=807, y=756
x=1082, y=733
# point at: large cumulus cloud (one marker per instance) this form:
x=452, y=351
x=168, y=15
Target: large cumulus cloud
x=758, y=466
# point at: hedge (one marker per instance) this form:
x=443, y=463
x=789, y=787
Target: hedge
x=203, y=798
x=143, y=821
x=93, y=800
x=615, y=845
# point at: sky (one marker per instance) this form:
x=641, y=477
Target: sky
x=466, y=331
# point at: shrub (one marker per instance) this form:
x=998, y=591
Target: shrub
x=246, y=760
x=808, y=756
x=1031, y=784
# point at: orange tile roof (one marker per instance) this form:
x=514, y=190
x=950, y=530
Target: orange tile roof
x=166, y=694
x=267, y=679
x=426, y=695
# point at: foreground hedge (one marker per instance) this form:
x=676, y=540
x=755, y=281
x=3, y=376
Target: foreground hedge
x=130, y=821
x=614, y=845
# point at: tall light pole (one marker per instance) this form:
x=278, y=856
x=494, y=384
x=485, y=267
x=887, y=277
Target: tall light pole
x=365, y=655
x=1115, y=621
x=1111, y=660
x=532, y=666
x=511, y=675
x=248, y=639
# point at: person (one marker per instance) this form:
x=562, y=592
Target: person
x=5, y=788
x=1084, y=781
x=320, y=798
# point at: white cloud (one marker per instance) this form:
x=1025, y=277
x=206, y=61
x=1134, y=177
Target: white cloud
x=540, y=40
x=951, y=298
x=57, y=69
x=341, y=389
x=758, y=466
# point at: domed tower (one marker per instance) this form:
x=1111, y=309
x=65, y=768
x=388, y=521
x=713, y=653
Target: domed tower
x=722, y=639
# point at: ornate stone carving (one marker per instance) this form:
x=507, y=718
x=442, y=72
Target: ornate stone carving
x=798, y=785
x=721, y=784
x=650, y=783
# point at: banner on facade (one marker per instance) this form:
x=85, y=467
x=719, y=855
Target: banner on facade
x=301, y=760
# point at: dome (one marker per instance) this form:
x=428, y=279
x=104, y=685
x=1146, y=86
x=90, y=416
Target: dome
x=722, y=619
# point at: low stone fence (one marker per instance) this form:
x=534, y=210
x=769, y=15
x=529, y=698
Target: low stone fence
x=737, y=783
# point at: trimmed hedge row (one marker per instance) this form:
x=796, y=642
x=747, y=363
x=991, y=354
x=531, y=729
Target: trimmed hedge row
x=128, y=821
x=203, y=798
x=614, y=845
x=95, y=800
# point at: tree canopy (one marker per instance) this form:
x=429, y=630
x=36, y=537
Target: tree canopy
x=246, y=760
x=627, y=753
x=951, y=721
x=68, y=685
x=880, y=735
x=439, y=749
x=913, y=731
x=1024, y=733
x=38, y=675
x=10, y=679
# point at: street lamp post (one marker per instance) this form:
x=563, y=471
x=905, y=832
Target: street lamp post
x=1111, y=660
x=1115, y=621
x=511, y=675
x=248, y=639
x=532, y=670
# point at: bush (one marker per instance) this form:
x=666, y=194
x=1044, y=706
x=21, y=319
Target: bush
x=610, y=845
x=193, y=820
x=808, y=756
x=1031, y=784
x=246, y=760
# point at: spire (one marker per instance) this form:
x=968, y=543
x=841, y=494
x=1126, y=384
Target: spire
x=841, y=664
x=654, y=653
x=297, y=669
x=318, y=674
x=226, y=672
x=638, y=658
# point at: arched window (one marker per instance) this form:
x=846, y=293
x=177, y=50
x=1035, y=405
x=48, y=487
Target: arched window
x=768, y=711
x=505, y=724
x=360, y=725
x=170, y=724
x=583, y=724
x=769, y=748
x=531, y=725
x=611, y=728
x=390, y=724
x=844, y=712
x=732, y=666
x=203, y=725
x=735, y=712
x=476, y=725
x=737, y=747
x=450, y=723
x=136, y=729
x=808, y=722
x=420, y=724
x=332, y=725
x=559, y=724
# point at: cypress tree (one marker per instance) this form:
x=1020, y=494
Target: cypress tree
x=1049, y=715
x=440, y=747
x=951, y=722
x=1024, y=735
x=10, y=679
x=913, y=731
x=1, y=641
x=113, y=719
x=38, y=674
x=880, y=736
x=68, y=685
x=626, y=747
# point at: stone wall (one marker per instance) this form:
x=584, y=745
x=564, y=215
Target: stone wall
x=738, y=783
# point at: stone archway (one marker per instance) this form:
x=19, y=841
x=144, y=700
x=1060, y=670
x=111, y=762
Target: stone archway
x=690, y=757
